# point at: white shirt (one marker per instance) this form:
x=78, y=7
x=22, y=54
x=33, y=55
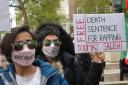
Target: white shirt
x=34, y=79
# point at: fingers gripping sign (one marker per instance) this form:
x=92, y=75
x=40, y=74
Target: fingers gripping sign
x=98, y=57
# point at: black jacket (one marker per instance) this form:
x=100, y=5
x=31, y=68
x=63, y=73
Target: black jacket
x=94, y=74
x=73, y=72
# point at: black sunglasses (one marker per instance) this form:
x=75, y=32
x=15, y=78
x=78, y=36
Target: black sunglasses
x=49, y=42
x=18, y=46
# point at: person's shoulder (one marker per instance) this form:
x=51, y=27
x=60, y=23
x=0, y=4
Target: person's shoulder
x=68, y=56
x=58, y=79
x=50, y=72
x=46, y=68
x=2, y=70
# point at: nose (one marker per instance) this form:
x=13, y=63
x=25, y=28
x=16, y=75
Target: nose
x=52, y=44
x=25, y=47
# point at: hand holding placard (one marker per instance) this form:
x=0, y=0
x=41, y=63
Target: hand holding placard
x=98, y=57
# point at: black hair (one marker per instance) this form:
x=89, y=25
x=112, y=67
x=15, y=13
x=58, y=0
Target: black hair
x=9, y=38
x=45, y=29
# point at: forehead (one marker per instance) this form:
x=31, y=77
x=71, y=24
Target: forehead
x=23, y=36
x=51, y=37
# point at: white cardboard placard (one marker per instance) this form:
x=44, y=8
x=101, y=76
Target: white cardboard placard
x=99, y=32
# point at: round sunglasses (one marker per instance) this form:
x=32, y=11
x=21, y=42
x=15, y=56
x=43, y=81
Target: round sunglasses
x=18, y=46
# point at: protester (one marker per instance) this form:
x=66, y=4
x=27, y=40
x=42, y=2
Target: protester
x=24, y=69
x=85, y=61
x=123, y=68
x=55, y=45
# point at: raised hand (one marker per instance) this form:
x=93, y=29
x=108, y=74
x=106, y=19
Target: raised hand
x=98, y=57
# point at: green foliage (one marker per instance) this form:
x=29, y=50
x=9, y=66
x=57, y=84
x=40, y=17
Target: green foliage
x=94, y=6
x=39, y=11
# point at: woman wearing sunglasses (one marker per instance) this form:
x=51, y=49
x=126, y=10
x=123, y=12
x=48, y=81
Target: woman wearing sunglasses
x=56, y=47
x=19, y=49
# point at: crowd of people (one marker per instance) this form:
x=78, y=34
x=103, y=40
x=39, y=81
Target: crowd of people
x=47, y=57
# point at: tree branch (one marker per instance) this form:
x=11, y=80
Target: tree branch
x=15, y=6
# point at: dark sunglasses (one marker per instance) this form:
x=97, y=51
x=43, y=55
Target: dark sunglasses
x=18, y=46
x=49, y=42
